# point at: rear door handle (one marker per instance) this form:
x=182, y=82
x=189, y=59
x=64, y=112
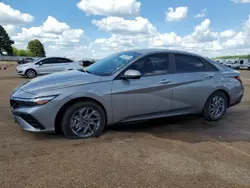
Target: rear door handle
x=209, y=76
x=165, y=81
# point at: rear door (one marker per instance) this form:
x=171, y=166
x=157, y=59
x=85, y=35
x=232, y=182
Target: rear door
x=146, y=97
x=63, y=64
x=194, y=82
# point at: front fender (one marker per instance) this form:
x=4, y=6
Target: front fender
x=104, y=101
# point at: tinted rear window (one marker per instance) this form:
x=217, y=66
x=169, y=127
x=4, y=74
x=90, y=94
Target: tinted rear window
x=187, y=63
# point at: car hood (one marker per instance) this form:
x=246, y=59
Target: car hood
x=26, y=64
x=59, y=80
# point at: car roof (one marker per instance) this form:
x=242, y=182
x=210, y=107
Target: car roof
x=153, y=50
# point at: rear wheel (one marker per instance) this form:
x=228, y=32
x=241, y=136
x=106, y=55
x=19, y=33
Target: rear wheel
x=83, y=120
x=30, y=73
x=215, y=107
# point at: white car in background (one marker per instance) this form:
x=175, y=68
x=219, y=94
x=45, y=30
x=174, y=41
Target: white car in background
x=47, y=65
x=245, y=64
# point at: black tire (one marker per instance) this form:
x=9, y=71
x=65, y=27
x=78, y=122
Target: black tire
x=206, y=112
x=30, y=73
x=65, y=123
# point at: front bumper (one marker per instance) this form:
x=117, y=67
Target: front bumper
x=29, y=123
x=26, y=126
x=39, y=118
x=20, y=72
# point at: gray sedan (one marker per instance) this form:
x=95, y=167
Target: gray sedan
x=126, y=87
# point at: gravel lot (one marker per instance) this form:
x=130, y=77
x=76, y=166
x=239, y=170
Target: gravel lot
x=174, y=152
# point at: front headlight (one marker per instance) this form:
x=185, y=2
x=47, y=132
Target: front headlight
x=43, y=100
x=33, y=102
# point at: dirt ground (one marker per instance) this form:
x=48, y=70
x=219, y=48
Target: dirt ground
x=173, y=152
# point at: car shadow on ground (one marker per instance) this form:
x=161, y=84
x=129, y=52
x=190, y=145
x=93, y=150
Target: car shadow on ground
x=187, y=129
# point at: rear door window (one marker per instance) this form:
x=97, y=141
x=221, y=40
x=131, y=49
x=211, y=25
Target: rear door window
x=63, y=60
x=188, y=64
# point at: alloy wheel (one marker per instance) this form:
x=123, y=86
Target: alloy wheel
x=84, y=122
x=217, y=106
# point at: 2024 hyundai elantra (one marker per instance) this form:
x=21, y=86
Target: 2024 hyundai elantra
x=126, y=87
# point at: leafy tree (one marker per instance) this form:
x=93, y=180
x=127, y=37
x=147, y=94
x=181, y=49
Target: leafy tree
x=15, y=51
x=22, y=53
x=28, y=53
x=36, y=48
x=5, y=42
x=234, y=57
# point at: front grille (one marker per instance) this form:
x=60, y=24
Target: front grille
x=30, y=120
x=14, y=104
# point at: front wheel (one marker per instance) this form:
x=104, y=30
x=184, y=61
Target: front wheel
x=83, y=120
x=30, y=73
x=215, y=107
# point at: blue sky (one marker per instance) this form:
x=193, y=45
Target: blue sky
x=96, y=28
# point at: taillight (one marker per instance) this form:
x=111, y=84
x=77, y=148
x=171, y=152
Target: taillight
x=238, y=78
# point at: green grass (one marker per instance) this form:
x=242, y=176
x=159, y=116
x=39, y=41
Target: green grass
x=7, y=62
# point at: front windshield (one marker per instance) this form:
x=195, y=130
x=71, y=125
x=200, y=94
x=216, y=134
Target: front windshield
x=111, y=64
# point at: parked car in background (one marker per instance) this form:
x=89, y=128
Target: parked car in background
x=25, y=60
x=244, y=64
x=86, y=63
x=233, y=64
x=126, y=87
x=46, y=66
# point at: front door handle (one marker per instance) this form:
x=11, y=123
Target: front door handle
x=165, y=81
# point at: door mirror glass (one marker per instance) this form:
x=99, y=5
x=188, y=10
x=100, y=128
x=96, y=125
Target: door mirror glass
x=40, y=63
x=131, y=74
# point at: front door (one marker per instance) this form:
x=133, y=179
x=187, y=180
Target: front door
x=147, y=97
x=48, y=66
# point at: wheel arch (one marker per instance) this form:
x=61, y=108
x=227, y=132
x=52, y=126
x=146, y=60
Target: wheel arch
x=57, y=123
x=224, y=91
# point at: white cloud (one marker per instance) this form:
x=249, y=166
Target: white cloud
x=54, y=26
x=119, y=25
x=241, y=1
x=203, y=33
x=178, y=14
x=239, y=40
x=201, y=14
x=51, y=31
x=227, y=33
x=10, y=16
x=166, y=39
x=110, y=7
x=10, y=29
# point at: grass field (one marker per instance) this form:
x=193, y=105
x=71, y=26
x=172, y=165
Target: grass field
x=7, y=62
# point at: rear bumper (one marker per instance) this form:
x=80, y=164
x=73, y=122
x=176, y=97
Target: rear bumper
x=238, y=99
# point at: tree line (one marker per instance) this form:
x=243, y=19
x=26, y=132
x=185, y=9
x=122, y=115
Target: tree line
x=234, y=57
x=34, y=48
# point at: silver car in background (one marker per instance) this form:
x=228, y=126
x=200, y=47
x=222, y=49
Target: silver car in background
x=47, y=65
x=126, y=87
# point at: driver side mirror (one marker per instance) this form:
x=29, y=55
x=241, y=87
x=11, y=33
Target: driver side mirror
x=40, y=63
x=131, y=74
